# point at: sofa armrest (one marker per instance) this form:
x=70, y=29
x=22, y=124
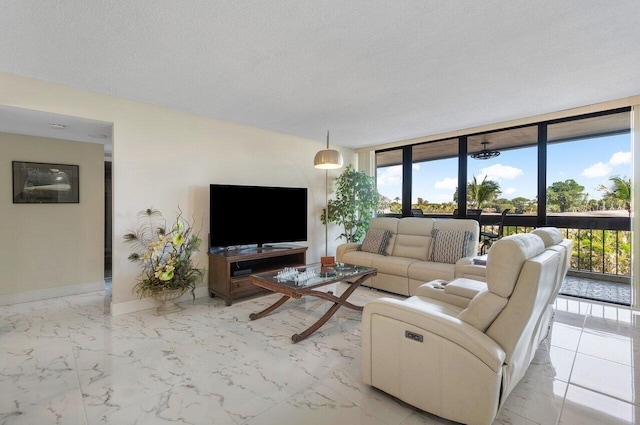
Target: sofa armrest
x=436, y=291
x=344, y=248
x=458, y=292
x=467, y=268
x=463, y=287
x=451, y=328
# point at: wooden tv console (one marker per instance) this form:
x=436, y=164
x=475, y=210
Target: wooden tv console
x=230, y=270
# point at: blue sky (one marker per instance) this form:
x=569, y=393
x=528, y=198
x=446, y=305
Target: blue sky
x=590, y=162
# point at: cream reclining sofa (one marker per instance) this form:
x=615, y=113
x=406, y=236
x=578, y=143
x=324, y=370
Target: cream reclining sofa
x=462, y=363
x=471, y=278
x=412, y=255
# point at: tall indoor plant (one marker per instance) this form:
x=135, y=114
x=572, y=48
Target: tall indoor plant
x=164, y=253
x=354, y=205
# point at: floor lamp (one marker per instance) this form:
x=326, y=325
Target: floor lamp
x=327, y=159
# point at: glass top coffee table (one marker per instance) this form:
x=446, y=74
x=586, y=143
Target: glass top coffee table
x=296, y=282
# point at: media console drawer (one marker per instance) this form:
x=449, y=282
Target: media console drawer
x=225, y=280
x=243, y=284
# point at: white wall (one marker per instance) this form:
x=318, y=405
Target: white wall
x=47, y=246
x=165, y=159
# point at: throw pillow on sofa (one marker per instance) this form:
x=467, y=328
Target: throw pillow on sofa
x=376, y=241
x=449, y=245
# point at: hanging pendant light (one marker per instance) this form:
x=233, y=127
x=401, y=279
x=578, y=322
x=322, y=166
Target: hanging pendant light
x=485, y=153
x=328, y=158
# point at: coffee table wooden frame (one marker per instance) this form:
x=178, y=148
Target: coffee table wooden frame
x=298, y=292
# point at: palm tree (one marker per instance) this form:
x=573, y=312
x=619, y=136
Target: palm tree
x=479, y=193
x=620, y=191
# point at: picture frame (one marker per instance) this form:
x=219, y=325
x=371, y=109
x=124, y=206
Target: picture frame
x=45, y=183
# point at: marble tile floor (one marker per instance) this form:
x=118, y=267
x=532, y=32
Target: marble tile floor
x=64, y=361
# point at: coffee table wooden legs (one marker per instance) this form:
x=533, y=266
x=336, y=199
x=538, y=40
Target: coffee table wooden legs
x=254, y=316
x=337, y=303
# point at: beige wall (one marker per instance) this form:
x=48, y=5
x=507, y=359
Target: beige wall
x=165, y=159
x=51, y=245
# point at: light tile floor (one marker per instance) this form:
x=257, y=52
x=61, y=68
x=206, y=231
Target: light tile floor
x=64, y=361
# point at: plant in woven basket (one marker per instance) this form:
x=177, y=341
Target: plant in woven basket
x=164, y=253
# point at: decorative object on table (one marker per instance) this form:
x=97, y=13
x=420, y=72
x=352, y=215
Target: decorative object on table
x=327, y=159
x=356, y=200
x=165, y=257
x=328, y=261
x=342, y=267
x=295, y=275
x=44, y=183
x=327, y=264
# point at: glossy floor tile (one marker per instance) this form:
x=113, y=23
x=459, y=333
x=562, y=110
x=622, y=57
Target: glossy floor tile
x=66, y=361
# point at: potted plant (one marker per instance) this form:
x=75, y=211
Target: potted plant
x=356, y=200
x=165, y=257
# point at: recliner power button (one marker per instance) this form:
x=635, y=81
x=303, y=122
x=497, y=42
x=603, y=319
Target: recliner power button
x=413, y=336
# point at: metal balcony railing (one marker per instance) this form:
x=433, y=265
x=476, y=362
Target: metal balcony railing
x=601, y=245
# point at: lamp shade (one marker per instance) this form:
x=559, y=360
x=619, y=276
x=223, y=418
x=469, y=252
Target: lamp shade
x=328, y=159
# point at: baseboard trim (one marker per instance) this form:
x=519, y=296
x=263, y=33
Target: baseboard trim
x=43, y=294
x=146, y=303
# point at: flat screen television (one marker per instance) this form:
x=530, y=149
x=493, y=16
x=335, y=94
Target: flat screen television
x=247, y=215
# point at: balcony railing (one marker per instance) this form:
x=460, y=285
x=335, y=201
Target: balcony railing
x=601, y=245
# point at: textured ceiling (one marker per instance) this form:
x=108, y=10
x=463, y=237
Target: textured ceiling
x=370, y=71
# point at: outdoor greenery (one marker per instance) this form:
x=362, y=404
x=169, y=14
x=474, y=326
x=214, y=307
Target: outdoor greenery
x=619, y=192
x=562, y=196
x=601, y=251
x=354, y=205
x=165, y=256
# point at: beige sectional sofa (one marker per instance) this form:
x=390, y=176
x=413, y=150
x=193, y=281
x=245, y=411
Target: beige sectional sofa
x=471, y=277
x=413, y=255
x=461, y=363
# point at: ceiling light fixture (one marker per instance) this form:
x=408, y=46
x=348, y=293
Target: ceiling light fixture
x=328, y=159
x=485, y=153
x=57, y=126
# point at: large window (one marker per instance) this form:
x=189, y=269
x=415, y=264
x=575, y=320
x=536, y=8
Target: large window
x=589, y=189
x=509, y=180
x=588, y=166
x=578, y=165
x=434, y=172
x=389, y=181
x=572, y=173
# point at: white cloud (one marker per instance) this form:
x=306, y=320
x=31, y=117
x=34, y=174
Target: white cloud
x=442, y=197
x=479, y=178
x=416, y=166
x=619, y=158
x=597, y=170
x=499, y=171
x=390, y=176
x=509, y=191
x=447, y=183
x=601, y=169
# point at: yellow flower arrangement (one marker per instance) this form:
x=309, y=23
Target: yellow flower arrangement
x=165, y=258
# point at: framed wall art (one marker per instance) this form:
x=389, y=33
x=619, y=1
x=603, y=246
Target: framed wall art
x=44, y=183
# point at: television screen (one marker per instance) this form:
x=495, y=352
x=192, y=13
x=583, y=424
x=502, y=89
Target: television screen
x=247, y=215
